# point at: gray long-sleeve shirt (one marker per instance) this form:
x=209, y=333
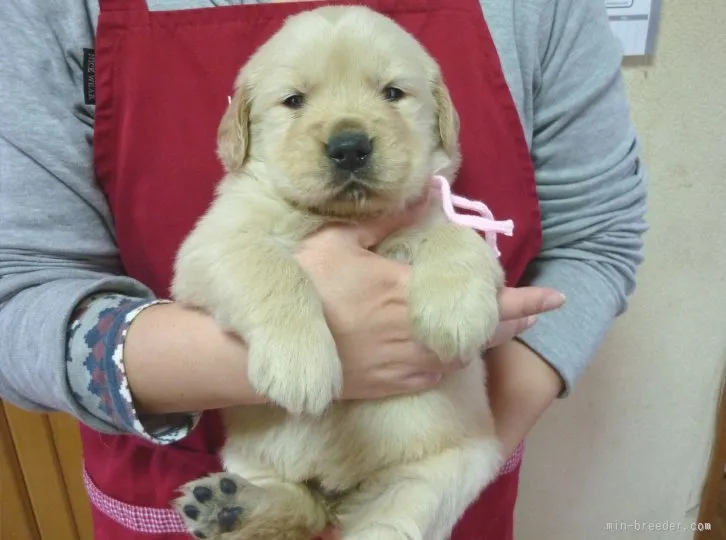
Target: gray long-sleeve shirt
x=562, y=65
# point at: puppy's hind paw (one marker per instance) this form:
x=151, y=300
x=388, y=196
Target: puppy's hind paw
x=225, y=505
x=217, y=504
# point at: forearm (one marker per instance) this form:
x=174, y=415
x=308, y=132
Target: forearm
x=178, y=360
x=521, y=386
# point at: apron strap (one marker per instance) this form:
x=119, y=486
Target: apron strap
x=123, y=5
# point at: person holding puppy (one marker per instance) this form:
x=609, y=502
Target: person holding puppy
x=89, y=234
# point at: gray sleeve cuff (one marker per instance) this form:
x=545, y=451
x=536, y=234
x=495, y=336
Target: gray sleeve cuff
x=97, y=373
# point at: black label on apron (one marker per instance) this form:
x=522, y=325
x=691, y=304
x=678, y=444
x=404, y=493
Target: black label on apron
x=89, y=76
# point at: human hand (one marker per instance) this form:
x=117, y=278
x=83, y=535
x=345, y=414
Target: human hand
x=518, y=310
x=364, y=298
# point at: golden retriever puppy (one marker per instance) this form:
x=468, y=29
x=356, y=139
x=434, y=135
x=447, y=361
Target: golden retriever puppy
x=340, y=115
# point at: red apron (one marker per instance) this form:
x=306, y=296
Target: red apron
x=162, y=81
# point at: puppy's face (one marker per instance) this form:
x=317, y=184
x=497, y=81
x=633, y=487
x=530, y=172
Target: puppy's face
x=346, y=113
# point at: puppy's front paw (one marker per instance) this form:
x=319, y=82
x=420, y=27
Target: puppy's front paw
x=453, y=307
x=297, y=366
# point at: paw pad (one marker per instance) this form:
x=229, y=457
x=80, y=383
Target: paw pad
x=228, y=486
x=202, y=494
x=228, y=518
x=191, y=511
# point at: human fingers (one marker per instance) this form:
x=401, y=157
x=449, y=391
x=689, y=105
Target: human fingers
x=421, y=360
x=418, y=382
x=329, y=534
x=510, y=329
x=522, y=302
x=373, y=231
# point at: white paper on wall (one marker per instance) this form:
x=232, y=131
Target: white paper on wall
x=635, y=23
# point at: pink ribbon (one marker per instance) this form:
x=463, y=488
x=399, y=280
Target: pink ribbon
x=484, y=222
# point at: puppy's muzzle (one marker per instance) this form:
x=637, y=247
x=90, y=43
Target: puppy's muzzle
x=349, y=151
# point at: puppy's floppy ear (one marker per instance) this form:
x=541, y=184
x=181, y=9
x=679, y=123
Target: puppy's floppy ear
x=448, y=119
x=233, y=133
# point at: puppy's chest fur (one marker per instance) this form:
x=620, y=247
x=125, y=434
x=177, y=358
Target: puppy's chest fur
x=261, y=212
x=350, y=440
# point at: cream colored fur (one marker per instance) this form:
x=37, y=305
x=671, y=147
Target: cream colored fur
x=410, y=465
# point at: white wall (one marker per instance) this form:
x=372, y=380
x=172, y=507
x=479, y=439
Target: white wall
x=632, y=442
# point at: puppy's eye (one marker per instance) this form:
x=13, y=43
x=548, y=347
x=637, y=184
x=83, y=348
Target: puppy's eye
x=391, y=93
x=295, y=101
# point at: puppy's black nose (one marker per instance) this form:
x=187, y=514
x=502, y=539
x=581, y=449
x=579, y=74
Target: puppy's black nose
x=350, y=150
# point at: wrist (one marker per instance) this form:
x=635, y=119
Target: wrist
x=521, y=386
x=545, y=379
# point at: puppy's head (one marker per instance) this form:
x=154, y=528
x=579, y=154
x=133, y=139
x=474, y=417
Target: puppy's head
x=346, y=113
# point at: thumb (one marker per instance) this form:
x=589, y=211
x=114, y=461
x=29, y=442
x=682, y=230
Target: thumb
x=372, y=232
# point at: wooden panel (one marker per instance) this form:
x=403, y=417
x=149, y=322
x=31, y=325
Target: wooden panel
x=16, y=515
x=712, y=490
x=35, y=448
x=68, y=444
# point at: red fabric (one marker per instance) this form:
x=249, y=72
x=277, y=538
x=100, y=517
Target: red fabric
x=162, y=84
